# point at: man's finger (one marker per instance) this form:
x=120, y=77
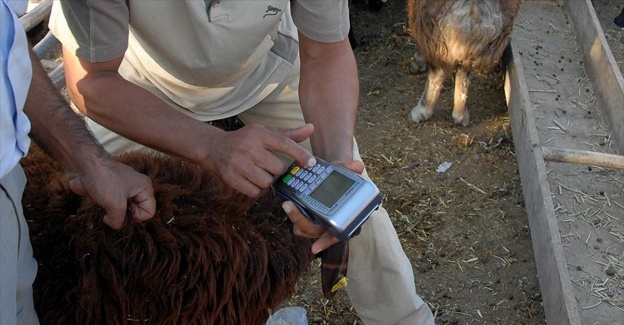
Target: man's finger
x=115, y=217
x=143, y=206
x=303, y=226
x=355, y=165
x=287, y=144
x=324, y=242
x=297, y=134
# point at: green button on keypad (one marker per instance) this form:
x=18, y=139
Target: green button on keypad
x=286, y=178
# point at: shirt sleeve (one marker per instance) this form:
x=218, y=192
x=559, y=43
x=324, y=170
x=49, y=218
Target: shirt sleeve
x=16, y=70
x=95, y=30
x=322, y=20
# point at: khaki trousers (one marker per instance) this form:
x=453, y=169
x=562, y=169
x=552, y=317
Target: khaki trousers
x=381, y=280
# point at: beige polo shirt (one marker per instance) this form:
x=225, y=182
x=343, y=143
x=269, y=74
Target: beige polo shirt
x=209, y=58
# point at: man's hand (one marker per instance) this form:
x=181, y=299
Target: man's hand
x=91, y=171
x=114, y=186
x=303, y=227
x=245, y=159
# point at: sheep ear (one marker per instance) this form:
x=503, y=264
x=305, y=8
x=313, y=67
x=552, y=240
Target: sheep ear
x=334, y=262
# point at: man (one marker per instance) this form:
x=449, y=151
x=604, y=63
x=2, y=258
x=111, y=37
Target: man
x=151, y=74
x=30, y=103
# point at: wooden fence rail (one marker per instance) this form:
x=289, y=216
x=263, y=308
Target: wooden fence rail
x=33, y=18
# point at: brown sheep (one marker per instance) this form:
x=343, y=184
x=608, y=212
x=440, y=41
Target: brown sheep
x=209, y=256
x=460, y=35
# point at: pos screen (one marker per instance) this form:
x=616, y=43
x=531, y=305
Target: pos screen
x=332, y=189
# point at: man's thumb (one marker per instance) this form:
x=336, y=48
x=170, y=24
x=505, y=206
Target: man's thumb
x=298, y=134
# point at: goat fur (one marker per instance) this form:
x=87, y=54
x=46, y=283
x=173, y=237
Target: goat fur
x=465, y=35
x=209, y=256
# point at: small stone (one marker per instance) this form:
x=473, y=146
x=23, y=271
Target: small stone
x=610, y=271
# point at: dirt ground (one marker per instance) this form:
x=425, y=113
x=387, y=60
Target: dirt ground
x=465, y=230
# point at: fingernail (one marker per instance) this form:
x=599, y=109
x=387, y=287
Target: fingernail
x=286, y=208
x=315, y=250
x=311, y=162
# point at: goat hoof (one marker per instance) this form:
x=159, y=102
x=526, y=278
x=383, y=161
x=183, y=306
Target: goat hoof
x=419, y=114
x=417, y=67
x=463, y=120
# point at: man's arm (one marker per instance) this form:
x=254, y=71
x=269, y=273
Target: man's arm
x=90, y=170
x=329, y=91
x=244, y=159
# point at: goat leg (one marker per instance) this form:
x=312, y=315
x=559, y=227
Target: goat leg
x=462, y=82
x=426, y=104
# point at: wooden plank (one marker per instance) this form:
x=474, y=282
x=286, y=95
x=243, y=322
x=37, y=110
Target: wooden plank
x=601, y=65
x=35, y=16
x=583, y=157
x=45, y=45
x=31, y=19
x=58, y=77
x=557, y=294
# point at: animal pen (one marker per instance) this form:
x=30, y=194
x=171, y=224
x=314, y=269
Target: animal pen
x=570, y=110
x=565, y=95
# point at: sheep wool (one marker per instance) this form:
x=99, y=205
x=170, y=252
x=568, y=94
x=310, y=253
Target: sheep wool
x=209, y=256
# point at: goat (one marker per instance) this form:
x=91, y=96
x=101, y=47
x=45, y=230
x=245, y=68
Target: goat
x=209, y=256
x=465, y=35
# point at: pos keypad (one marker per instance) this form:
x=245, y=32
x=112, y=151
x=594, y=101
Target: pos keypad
x=306, y=179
